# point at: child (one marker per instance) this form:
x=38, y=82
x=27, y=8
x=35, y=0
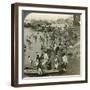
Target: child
x=64, y=62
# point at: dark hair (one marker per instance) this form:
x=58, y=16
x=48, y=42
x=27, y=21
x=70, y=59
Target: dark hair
x=37, y=55
x=28, y=56
x=45, y=51
x=59, y=43
x=63, y=54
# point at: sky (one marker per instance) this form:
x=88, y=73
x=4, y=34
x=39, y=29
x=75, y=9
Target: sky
x=46, y=16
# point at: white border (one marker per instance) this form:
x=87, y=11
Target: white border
x=53, y=78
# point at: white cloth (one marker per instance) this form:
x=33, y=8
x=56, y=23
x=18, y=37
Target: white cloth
x=45, y=56
x=36, y=62
x=45, y=59
x=56, y=63
x=40, y=71
x=65, y=60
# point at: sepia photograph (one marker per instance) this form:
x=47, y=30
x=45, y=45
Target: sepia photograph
x=51, y=44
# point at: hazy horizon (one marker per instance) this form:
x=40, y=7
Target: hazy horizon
x=47, y=16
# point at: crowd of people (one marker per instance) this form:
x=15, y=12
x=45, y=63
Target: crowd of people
x=51, y=59
x=51, y=42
